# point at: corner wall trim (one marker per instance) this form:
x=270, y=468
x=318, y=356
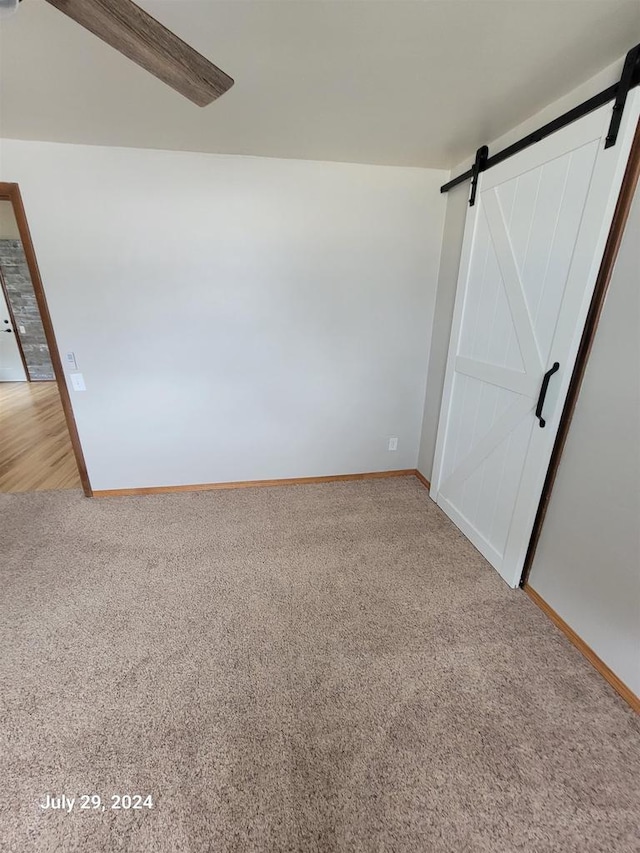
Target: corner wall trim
x=422, y=479
x=250, y=484
x=619, y=686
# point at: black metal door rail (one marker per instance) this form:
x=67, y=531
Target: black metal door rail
x=618, y=93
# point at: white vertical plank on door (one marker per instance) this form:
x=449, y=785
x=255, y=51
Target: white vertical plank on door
x=532, y=247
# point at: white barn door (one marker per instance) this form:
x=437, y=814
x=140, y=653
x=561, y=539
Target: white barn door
x=532, y=248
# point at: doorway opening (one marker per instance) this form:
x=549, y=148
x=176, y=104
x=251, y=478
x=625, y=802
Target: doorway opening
x=39, y=444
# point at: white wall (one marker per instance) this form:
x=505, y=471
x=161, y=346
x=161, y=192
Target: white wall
x=587, y=564
x=235, y=318
x=452, y=247
x=457, y=200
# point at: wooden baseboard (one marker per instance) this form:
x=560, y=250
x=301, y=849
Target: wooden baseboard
x=628, y=695
x=422, y=479
x=252, y=484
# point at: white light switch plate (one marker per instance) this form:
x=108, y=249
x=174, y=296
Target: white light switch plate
x=70, y=360
x=77, y=382
x=393, y=443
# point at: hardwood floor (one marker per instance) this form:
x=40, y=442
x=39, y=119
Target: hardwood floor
x=35, y=448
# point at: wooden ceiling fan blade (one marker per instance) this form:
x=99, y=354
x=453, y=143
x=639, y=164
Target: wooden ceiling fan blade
x=138, y=36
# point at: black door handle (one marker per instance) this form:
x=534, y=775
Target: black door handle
x=543, y=391
x=7, y=330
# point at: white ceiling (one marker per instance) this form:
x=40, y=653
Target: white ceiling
x=403, y=82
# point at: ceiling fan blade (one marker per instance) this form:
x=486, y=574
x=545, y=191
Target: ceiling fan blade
x=138, y=36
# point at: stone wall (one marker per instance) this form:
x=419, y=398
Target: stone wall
x=25, y=309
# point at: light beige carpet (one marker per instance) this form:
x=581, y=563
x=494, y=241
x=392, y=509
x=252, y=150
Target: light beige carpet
x=313, y=668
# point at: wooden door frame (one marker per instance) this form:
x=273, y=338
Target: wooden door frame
x=11, y=192
x=612, y=247
x=3, y=285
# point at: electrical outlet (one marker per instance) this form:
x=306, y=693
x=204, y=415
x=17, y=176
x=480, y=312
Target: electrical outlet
x=22, y=329
x=393, y=442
